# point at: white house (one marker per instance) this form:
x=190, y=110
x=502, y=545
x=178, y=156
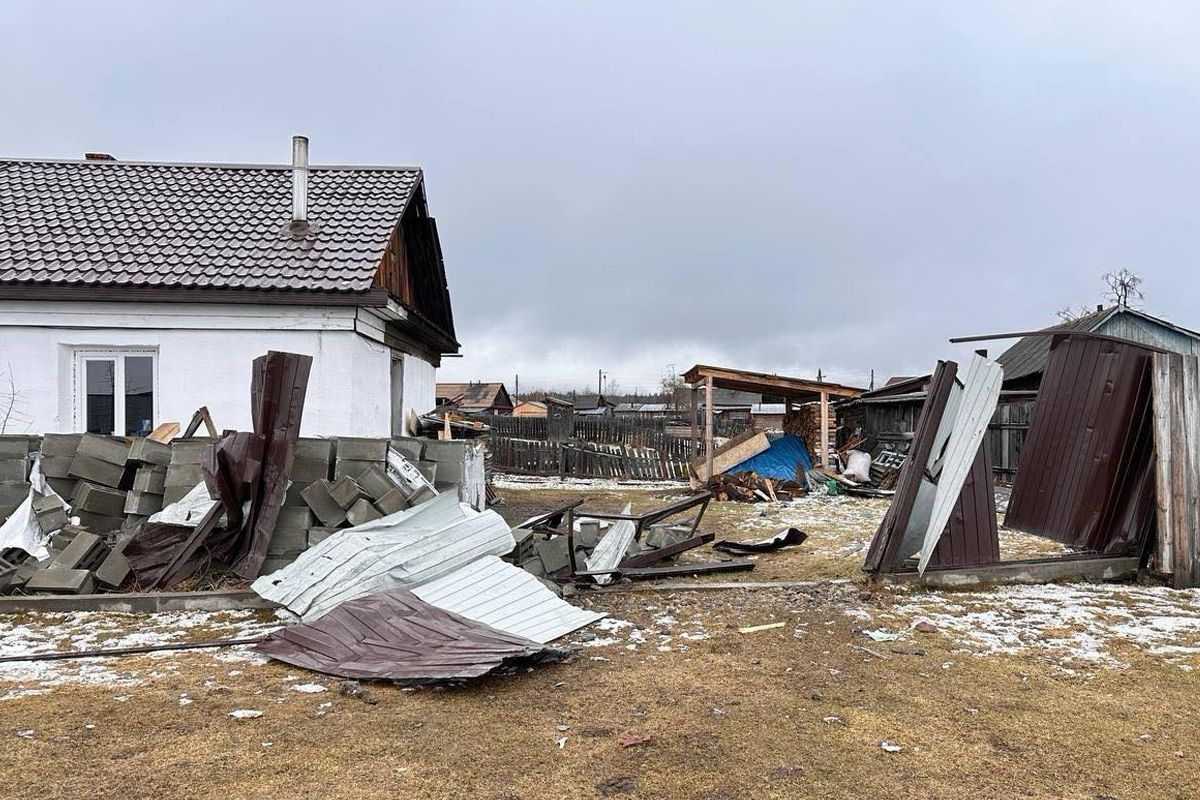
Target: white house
x=132, y=293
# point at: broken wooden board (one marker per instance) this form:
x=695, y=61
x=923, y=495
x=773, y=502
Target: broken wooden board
x=732, y=453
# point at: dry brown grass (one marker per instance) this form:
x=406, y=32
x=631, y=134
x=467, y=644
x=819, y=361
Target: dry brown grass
x=733, y=716
x=737, y=715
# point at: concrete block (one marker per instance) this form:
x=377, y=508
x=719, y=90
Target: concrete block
x=307, y=469
x=79, y=553
x=103, y=448
x=99, y=500
x=61, y=444
x=553, y=552
x=318, y=535
x=173, y=494
x=63, y=487
x=148, y=451
x=13, y=493
x=295, y=495
x=52, y=521
x=99, y=523
x=274, y=563
x=152, y=479
x=319, y=449
x=114, y=569
x=408, y=447
x=56, y=466
x=188, y=451
x=14, y=446
x=392, y=502
x=362, y=511
x=429, y=469
x=14, y=470
x=61, y=581
x=445, y=452
x=359, y=449
x=103, y=473
x=588, y=535
x=285, y=541
x=533, y=566
x=143, y=504
x=345, y=492
x=346, y=468
x=184, y=475
x=293, y=517
x=374, y=482
x=319, y=499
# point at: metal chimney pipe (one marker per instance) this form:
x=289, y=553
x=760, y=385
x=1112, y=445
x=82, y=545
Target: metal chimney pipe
x=299, y=180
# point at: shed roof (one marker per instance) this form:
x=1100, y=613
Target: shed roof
x=763, y=383
x=1028, y=356
x=215, y=226
x=475, y=395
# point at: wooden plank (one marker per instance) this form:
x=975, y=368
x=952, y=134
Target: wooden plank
x=825, y=429
x=734, y=453
x=1187, y=507
x=708, y=427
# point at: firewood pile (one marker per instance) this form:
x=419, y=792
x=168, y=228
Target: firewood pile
x=749, y=487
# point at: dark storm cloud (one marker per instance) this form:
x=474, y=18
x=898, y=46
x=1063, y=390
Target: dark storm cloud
x=791, y=186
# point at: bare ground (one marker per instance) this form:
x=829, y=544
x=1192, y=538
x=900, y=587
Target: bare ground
x=1073, y=692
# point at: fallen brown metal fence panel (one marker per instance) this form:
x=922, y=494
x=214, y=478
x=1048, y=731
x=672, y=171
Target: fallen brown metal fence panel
x=971, y=538
x=398, y=636
x=885, y=547
x=277, y=391
x=1085, y=477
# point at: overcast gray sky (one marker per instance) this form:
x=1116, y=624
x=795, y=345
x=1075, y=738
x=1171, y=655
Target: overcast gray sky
x=627, y=185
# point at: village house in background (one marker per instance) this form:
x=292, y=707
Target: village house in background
x=1025, y=361
x=475, y=398
x=530, y=408
x=133, y=292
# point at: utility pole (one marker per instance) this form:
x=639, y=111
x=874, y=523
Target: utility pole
x=516, y=387
x=599, y=381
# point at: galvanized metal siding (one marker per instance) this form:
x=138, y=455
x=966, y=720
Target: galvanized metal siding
x=507, y=598
x=980, y=392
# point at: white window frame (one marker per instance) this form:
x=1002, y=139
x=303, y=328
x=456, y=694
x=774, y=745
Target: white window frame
x=117, y=355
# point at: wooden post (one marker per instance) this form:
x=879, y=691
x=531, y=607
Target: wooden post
x=695, y=433
x=825, y=429
x=708, y=425
x=787, y=412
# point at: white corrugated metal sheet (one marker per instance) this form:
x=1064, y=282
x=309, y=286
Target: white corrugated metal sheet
x=611, y=549
x=968, y=422
x=507, y=598
x=401, y=550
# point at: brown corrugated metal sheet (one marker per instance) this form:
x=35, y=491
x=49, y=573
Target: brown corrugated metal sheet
x=232, y=471
x=882, y=553
x=162, y=554
x=398, y=636
x=971, y=538
x=1085, y=477
x=277, y=390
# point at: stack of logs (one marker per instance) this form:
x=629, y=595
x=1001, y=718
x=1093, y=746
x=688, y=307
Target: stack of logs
x=749, y=487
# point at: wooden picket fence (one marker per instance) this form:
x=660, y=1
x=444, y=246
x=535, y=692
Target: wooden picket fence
x=584, y=460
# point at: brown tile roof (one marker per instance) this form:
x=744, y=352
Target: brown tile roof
x=213, y=226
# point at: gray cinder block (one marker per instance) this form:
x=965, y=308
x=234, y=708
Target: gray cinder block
x=347, y=468
x=362, y=511
x=94, y=470
x=409, y=448
x=14, y=470
x=317, y=496
x=61, y=444
x=392, y=502
x=143, y=504
x=56, y=466
x=345, y=492
x=151, y=479
x=374, y=482
x=148, y=451
x=99, y=499
x=360, y=449
x=103, y=448
x=62, y=581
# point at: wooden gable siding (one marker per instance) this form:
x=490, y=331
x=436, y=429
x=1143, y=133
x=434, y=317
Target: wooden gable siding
x=412, y=270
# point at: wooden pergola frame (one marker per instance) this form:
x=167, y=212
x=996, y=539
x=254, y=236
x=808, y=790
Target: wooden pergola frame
x=706, y=378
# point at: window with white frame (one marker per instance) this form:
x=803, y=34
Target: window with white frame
x=116, y=391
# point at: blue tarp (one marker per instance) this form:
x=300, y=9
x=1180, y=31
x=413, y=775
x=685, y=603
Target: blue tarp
x=779, y=461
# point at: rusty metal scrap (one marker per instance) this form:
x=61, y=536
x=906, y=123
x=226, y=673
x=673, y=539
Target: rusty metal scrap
x=398, y=636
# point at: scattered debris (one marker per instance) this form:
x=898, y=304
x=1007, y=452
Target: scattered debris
x=767, y=627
